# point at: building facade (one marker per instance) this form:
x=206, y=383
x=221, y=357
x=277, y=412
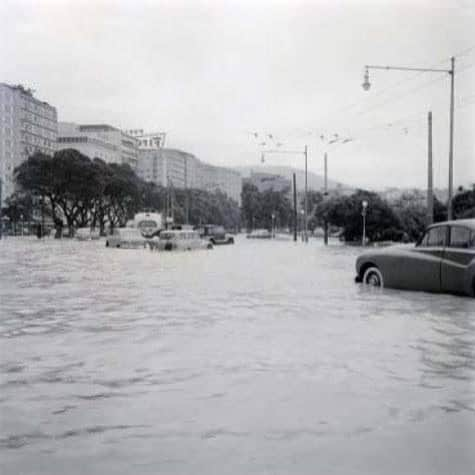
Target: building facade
x=183, y=170
x=27, y=125
x=99, y=141
x=148, y=141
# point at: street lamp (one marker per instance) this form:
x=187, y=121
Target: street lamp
x=364, y=205
x=333, y=139
x=273, y=225
x=305, y=153
x=366, y=86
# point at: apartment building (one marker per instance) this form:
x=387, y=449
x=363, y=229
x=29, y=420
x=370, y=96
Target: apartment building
x=99, y=141
x=149, y=140
x=181, y=169
x=27, y=125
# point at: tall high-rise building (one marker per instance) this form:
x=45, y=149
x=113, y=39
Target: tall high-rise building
x=99, y=141
x=27, y=125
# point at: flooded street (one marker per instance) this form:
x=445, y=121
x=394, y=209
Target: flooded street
x=259, y=358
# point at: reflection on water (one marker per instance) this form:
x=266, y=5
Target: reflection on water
x=262, y=357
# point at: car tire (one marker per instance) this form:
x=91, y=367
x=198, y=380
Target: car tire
x=209, y=246
x=372, y=277
x=231, y=241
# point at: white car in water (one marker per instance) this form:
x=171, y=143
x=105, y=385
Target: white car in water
x=179, y=240
x=87, y=234
x=126, y=238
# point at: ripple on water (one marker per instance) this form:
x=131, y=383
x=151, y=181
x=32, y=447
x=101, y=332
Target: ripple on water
x=263, y=346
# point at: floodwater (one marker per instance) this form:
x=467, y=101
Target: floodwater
x=258, y=358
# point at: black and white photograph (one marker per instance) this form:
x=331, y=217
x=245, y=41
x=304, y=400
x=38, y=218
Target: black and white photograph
x=237, y=237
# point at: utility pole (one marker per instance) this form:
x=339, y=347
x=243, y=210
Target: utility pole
x=325, y=193
x=187, y=204
x=295, y=207
x=366, y=86
x=1, y=220
x=305, y=210
x=306, y=199
x=430, y=191
x=451, y=145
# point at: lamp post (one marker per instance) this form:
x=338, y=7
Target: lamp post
x=273, y=225
x=364, y=205
x=334, y=139
x=366, y=85
x=1, y=204
x=305, y=154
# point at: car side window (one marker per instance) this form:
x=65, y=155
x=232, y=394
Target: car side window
x=435, y=237
x=459, y=237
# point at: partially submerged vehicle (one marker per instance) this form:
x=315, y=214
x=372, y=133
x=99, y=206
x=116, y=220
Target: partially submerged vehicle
x=149, y=223
x=87, y=234
x=443, y=260
x=126, y=238
x=179, y=240
x=260, y=234
x=215, y=234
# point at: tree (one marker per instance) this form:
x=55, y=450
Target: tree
x=259, y=207
x=464, y=203
x=345, y=212
x=411, y=210
x=123, y=195
x=19, y=207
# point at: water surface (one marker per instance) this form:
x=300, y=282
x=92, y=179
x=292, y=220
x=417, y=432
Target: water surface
x=258, y=358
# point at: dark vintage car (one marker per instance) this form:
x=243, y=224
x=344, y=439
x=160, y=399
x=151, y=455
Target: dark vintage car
x=442, y=261
x=215, y=234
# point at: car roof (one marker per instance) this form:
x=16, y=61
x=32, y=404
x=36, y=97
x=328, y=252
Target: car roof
x=469, y=223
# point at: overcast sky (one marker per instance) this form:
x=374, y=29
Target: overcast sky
x=212, y=74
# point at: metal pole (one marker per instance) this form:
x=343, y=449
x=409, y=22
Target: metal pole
x=306, y=199
x=295, y=207
x=1, y=204
x=186, y=192
x=363, y=240
x=430, y=190
x=451, y=146
x=325, y=193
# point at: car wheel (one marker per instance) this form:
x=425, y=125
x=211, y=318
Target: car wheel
x=209, y=246
x=231, y=240
x=373, y=277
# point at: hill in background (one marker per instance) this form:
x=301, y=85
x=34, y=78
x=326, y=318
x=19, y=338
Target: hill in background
x=315, y=182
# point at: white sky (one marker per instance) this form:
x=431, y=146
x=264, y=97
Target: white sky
x=210, y=73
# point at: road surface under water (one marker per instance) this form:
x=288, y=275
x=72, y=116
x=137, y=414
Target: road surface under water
x=258, y=358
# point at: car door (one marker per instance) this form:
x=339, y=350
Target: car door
x=424, y=269
x=457, y=256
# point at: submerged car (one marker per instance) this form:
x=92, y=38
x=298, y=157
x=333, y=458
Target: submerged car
x=179, y=240
x=126, y=238
x=87, y=234
x=216, y=234
x=260, y=234
x=443, y=260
